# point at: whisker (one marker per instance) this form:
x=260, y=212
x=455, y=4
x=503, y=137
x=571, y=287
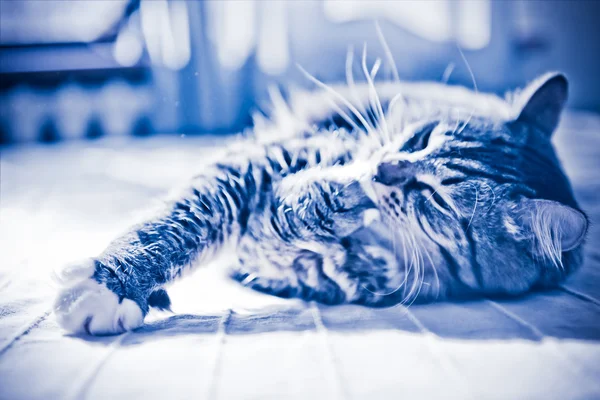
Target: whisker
x=447, y=72
x=421, y=274
x=336, y=94
x=375, y=68
x=462, y=55
x=373, y=97
x=394, y=250
x=401, y=283
x=448, y=203
x=462, y=128
x=404, y=240
x=493, y=192
x=350, y=78
x=414, y=261
x=387, y=51
x=352, y=88
x=437, y=278
x=457, y=122
x=345, y=116
x=390, y=109
x=408, y=266
x=414, y=266
x=474, y=208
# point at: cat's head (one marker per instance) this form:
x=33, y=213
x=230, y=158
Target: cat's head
x=485, y=198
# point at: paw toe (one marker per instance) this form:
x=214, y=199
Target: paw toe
x=90, y=307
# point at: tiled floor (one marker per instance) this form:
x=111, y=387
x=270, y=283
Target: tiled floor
x=63, y=202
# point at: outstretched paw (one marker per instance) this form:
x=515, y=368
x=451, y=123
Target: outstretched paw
x=87, y=306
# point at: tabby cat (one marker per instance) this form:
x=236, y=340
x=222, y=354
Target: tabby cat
x=363, y=193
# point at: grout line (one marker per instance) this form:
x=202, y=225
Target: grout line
x=40, y=318
x=80, y=391
x=417, y=322
x=24, y=330
x=550, y=341
x=220, y=338
x=580, y=295
x=9, y=276
x=534, y=329
x=446, y=362
x=5, y=283
x=323, y=333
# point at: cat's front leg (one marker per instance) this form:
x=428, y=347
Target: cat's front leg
x=295, y=248
x=328, y=202
x=112, y=293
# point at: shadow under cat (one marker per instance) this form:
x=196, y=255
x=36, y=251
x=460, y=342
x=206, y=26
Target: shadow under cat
x=564, y=317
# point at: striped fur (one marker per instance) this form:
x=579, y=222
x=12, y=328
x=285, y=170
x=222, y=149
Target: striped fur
x=459, y=179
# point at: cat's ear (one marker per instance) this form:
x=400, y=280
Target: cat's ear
x=542, y=101
x=553, y=226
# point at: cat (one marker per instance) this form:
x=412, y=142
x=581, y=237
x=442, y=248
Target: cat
x=363, y=193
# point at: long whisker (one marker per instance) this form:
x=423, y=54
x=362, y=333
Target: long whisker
x=390, y=109
x=387, y=51
x=414, y=266
x=493, y=192
x=462, y=55
x=375, y=68
x=404, y=244
x=420, y=276
x=435, y=273
x=408, y=265
x=474, y=208
x=475, y=88
x=373, y=97
x=448, y=202
x=394, y=68
x=457, y=122
x=447, y=72
x=431, y=195
x=419, y=279
x=350, y=78
x=393, y=242
x=353, y=93
x=345, y=116
x=403, y=282
x=411, y=268
x=336, y=94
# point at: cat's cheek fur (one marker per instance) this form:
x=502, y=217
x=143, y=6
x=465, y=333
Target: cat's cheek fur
x=90, y=307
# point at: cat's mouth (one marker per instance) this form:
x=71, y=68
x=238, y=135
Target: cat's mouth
x=387, y=201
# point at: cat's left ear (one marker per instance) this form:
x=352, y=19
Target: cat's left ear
x=542, y=101
x=552, y=225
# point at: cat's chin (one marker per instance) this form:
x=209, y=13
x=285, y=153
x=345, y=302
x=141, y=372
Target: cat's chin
x=90, y=307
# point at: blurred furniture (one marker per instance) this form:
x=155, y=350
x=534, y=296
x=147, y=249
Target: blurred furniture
x=143, y=66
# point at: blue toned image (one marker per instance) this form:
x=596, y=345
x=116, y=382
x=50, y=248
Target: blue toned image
x=248, y=199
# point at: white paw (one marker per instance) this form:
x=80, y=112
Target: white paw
x=90, y=307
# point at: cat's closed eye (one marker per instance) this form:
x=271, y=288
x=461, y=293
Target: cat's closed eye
x=420, y=140
x=430, y=195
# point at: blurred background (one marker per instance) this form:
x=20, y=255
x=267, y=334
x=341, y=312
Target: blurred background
x=97, y=68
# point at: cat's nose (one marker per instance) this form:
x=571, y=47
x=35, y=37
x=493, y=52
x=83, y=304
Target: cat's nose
x=396, y=173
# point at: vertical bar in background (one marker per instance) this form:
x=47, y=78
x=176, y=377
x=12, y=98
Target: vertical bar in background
x=212, y=97
x=474, y=28
x=273, y=52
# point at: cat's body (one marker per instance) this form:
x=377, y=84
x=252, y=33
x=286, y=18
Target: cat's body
x=471, y=195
